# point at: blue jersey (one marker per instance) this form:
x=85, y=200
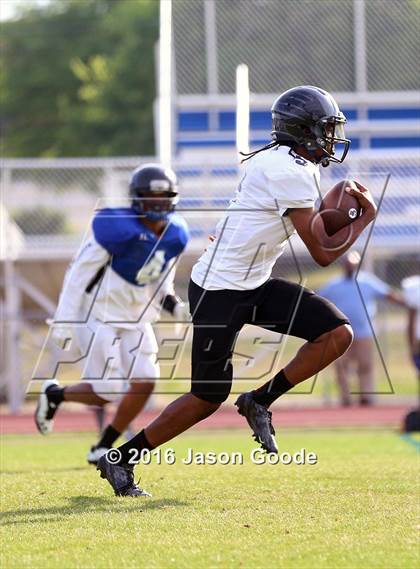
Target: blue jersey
x=138, y=255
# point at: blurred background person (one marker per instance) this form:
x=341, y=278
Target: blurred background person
x=411, y=292
x=343, y=291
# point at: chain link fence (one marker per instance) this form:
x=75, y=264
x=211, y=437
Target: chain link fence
x=52, y=201
x=393, y=45
x=287, y=43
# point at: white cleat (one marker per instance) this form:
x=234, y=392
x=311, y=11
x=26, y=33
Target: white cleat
x=45, y=410
x=95, y=454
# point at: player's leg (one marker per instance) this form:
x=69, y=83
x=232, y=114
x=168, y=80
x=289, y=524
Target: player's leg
x=138, y=349
x=138, y=369
x=176, y=418
x=364, y=354
x=211, y=384
x=317, y=354
x=308, y=316
x=311, y=358
x=217, y=317
x=84, y=393
x=213, y=340
x=130, y=405
x=53, y=395
x=288, y=308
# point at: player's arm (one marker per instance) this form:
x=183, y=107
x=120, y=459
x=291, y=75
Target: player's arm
x=382, y=291
x=174, y=305
x=82, y=271
x=396, y=298
x=323, y=248
x=169, y=300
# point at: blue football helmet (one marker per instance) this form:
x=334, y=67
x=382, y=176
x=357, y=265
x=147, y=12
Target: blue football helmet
x=154, y=191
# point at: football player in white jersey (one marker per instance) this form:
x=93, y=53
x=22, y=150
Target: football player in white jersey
x=114, y=289
x=231, y=283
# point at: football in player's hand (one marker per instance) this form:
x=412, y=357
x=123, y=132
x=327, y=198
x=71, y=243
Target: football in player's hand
x=338, y=208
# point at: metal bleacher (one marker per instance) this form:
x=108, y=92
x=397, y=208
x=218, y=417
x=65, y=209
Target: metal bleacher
x=375, y=120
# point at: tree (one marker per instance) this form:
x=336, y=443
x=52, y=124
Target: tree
x=78, y=79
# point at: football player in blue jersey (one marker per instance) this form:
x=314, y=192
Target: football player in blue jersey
x=114, y=289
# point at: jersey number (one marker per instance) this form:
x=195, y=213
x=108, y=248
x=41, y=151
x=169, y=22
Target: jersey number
x=152, y=270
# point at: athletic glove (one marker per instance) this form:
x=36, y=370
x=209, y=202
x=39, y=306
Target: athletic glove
x=174, y=305
x=181, y=312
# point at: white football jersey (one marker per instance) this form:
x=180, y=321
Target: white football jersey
x=113, y=299
x=254, y=230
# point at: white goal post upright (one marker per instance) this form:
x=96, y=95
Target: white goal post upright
x=242, y=108
x=165, y=127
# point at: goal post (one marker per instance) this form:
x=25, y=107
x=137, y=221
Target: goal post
x=242, y=108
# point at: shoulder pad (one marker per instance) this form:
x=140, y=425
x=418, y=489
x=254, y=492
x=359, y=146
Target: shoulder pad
x=177, y=235
x=112, y=227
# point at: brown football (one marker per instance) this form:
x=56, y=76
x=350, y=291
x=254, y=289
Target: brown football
x=338, y=208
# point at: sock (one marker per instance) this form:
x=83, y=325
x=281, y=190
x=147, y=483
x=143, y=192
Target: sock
x=270, y=391
x=108, y=438
x=138, y=442
x=55, y=394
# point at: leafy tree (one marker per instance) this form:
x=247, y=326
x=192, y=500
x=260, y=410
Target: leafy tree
x=78, y=79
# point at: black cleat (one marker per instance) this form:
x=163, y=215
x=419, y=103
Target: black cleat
x=121, y=478
x=259, y=419
x=45, y=409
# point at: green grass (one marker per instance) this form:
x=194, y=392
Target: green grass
x=357, y=508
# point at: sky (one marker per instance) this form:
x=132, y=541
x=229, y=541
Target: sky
x=9, y=8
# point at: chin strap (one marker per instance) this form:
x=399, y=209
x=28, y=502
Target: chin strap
x=156, y=216
x=251, y=154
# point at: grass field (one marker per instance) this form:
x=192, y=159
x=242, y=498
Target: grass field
x=357, y=507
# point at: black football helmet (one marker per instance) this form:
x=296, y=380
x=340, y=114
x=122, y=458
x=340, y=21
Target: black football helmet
x=154, y=191
x=310, y=117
